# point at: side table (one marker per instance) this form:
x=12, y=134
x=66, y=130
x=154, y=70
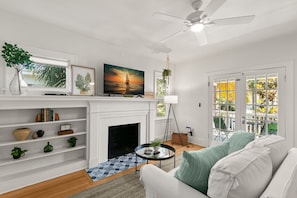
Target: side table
x=146, y=151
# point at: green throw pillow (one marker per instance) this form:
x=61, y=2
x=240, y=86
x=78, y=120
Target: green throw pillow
x=239, y=139
x=195, y=167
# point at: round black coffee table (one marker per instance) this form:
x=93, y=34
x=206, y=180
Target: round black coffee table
x=146, y=151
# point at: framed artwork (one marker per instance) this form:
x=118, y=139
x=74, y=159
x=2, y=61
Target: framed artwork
x=83, y=80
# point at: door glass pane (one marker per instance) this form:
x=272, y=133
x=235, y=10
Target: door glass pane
x=223, y=109
x=262, y=104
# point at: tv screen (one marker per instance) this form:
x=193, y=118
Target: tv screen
x=122, y=80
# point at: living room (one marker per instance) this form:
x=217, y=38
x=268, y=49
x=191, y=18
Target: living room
x=272, y=44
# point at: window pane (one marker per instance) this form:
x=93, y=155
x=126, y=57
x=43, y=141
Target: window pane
x=161, y=109
x=44, y=75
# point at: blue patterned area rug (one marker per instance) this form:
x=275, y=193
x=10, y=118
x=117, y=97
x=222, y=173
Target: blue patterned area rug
x=113, y=166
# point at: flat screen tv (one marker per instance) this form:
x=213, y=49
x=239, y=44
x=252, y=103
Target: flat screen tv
x=122, y=80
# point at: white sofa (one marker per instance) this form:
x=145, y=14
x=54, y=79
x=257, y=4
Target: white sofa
x=264, y=168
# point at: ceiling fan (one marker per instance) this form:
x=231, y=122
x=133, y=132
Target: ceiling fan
x=197, y=20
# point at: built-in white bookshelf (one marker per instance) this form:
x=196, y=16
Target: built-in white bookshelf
x=36, y=166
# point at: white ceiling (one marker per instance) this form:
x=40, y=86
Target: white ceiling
x=129, y=23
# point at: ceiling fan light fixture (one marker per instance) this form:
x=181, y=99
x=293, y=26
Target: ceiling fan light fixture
x=197, y=27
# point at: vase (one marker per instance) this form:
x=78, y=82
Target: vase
x=21, y=134
x=17, y=85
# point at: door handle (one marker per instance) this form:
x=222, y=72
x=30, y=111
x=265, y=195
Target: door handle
x=243, y=119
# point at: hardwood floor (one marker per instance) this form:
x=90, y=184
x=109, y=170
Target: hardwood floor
x=73, y=183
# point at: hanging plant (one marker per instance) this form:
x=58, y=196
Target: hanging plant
x=166, y=72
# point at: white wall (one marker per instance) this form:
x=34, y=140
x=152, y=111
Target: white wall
x=88, y=52
x=192, y=78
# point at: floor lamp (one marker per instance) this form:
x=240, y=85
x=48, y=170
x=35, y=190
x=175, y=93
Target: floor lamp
x=171, y=100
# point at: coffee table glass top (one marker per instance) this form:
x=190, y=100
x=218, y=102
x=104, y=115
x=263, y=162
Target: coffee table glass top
x=147, y=152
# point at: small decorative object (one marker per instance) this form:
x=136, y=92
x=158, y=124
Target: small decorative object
x=64, y=127
x=72, y=141
x=180, y=139
x=21, y=133
x=40, y=133
x=48, y=148
x=156, y=144
x=17, y=152
x=65, y=132
x=18, y=59
x=34, y=135
x=57, y=117
x=83, y=80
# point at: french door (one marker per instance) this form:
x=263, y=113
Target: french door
x=250, y=101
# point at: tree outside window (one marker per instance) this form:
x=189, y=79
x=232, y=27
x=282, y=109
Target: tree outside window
x=160, y=92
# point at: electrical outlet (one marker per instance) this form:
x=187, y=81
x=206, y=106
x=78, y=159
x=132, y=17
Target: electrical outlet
x=189, y=130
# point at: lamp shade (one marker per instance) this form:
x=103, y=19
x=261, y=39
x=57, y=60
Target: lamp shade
x=171, y=99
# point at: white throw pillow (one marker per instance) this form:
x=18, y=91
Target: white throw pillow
x=243, y=174
x=284, y=182
x=278, y=148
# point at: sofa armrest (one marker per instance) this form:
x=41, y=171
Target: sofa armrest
x=160, y=184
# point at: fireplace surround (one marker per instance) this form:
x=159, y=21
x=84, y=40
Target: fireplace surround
x=115, y=112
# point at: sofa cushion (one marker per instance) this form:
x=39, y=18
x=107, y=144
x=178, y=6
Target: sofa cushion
x=244, y=173
x=284, y=182
x=239, y=139
x=278, y=148
x=195, y=166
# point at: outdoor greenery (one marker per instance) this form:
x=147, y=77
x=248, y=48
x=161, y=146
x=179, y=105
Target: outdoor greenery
x=161, y=92
x=49, y=75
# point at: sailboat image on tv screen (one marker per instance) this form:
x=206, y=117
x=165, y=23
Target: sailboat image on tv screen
x=127, y=79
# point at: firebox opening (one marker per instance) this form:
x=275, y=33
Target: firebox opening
x=122, y=139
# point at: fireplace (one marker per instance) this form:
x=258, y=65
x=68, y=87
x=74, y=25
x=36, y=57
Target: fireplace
x=116, y=111
x=122, y=139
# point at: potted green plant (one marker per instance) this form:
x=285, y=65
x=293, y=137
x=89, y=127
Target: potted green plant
x=72, y=141
x=156, y=143
x=166, y=72
x=83, y=83
x=18, y=59
x=17, y=152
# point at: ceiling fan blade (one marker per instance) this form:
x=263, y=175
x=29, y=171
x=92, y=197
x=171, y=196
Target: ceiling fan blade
x=164, y=40
x=170, y=18
x=234, y=20
x=211, y=8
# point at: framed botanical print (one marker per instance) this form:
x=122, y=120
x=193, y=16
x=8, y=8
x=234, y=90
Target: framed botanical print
x=83, y=80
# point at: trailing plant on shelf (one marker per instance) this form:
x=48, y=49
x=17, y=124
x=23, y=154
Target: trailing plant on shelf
x=17, y=152
x=72, y=141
